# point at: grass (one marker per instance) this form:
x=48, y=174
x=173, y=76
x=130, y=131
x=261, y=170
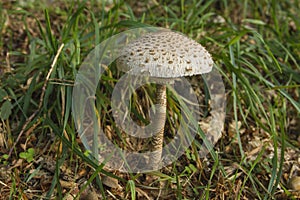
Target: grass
x=255, y=46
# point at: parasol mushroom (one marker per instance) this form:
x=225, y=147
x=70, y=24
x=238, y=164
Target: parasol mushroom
x=164, y=55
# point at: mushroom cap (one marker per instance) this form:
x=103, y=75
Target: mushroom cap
x=164, y=54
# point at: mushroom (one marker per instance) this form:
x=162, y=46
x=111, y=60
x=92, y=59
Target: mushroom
x=165, y=55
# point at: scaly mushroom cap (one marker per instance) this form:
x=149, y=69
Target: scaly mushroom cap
x=165, y=54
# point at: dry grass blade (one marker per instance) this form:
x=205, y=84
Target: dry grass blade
x=40, y=102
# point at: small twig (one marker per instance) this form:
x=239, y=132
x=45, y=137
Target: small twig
x=41, y=100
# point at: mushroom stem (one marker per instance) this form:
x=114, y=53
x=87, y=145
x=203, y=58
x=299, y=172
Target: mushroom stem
x=159, y=123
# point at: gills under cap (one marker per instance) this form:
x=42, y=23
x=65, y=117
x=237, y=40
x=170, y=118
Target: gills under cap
x=165, y=54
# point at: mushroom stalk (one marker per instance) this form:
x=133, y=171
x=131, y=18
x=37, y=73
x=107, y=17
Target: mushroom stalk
x=158, y=129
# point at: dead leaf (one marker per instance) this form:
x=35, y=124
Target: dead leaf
x=110, y=182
